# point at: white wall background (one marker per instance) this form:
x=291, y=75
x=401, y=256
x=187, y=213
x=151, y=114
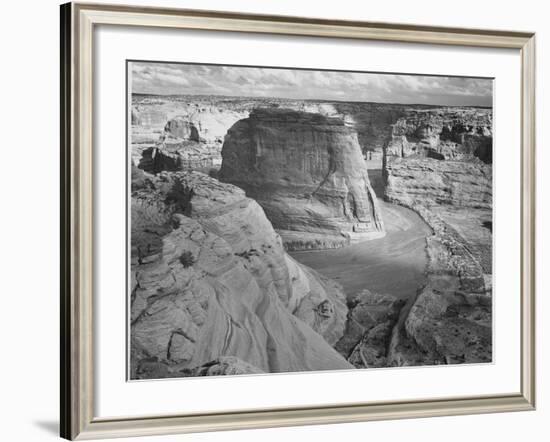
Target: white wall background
x=29, y=251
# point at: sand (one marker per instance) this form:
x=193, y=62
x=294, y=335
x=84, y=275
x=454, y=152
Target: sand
x=394, y=264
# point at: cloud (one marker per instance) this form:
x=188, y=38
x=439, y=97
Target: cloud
x=194, y=79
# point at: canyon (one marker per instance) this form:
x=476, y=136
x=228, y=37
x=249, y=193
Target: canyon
x=274, y=235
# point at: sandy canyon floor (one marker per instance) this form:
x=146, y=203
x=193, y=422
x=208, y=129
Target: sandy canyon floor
x=394, y=264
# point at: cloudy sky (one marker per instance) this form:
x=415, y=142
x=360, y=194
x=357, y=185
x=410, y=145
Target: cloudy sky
x=187, y=79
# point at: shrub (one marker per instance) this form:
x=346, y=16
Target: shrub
x=187, y=259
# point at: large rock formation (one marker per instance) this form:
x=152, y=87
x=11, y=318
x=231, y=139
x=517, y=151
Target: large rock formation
x=210, y=117
x=439, y=164
x=181, y=133
x=178, y=147
x=210, y=279
x=182, y=128
x=307, y=172
x=175, y=155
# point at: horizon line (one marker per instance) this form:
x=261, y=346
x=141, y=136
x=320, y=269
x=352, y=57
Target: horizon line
x=311, y=99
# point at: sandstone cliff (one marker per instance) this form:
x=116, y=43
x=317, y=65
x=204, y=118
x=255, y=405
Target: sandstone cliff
x=443, y=133
x=307, y=172
x=210, y=279
x=182, y=128
x=431, y=182
x=440, y=165
x=377, y=124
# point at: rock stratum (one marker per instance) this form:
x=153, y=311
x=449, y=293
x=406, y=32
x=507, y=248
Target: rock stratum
x=307, y=172
x=443, y=133
x=374, y=123
x=210, y=280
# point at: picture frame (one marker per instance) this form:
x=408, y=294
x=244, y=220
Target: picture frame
x=78, y=24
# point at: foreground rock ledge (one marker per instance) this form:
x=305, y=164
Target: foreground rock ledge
x=210, y=279
x=307, y=172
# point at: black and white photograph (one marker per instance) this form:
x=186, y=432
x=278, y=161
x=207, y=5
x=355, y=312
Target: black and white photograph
x=289, y=220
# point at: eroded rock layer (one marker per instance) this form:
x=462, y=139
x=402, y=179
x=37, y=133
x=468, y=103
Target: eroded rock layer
x=307, y=172
x=210, y=279
x=443, y=133
x=433, y=183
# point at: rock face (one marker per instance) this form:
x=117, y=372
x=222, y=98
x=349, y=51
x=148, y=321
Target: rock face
x=443, y=133
x=431, y=182
x=439, y=164
x=307, y=172
x=372, y=319
x=178, y=147
x=174, y=155
x=181, y=133
x=183, y=129
x=210, y=118
x=210, y=280
x=376, y=124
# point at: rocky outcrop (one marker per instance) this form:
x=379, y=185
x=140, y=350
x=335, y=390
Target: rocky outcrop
x=180, y=128
x=175, y=155
x=444, y=134
x=210, y=279
x=178, y=147
x=307, y=172
x=372, y=319
x=450, y=320
x=431, y=182
x=210, y=118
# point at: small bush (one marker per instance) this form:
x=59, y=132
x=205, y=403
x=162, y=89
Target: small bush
x=187, y=259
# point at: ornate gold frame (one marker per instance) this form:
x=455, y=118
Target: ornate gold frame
x=77, y=392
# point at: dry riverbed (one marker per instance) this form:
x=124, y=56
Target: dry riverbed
x=394, y=264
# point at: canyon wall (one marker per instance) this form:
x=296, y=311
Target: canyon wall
x=376, y=124
x=307, y=172
x=210, y=280
x=443, y=133
x=440, y=165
